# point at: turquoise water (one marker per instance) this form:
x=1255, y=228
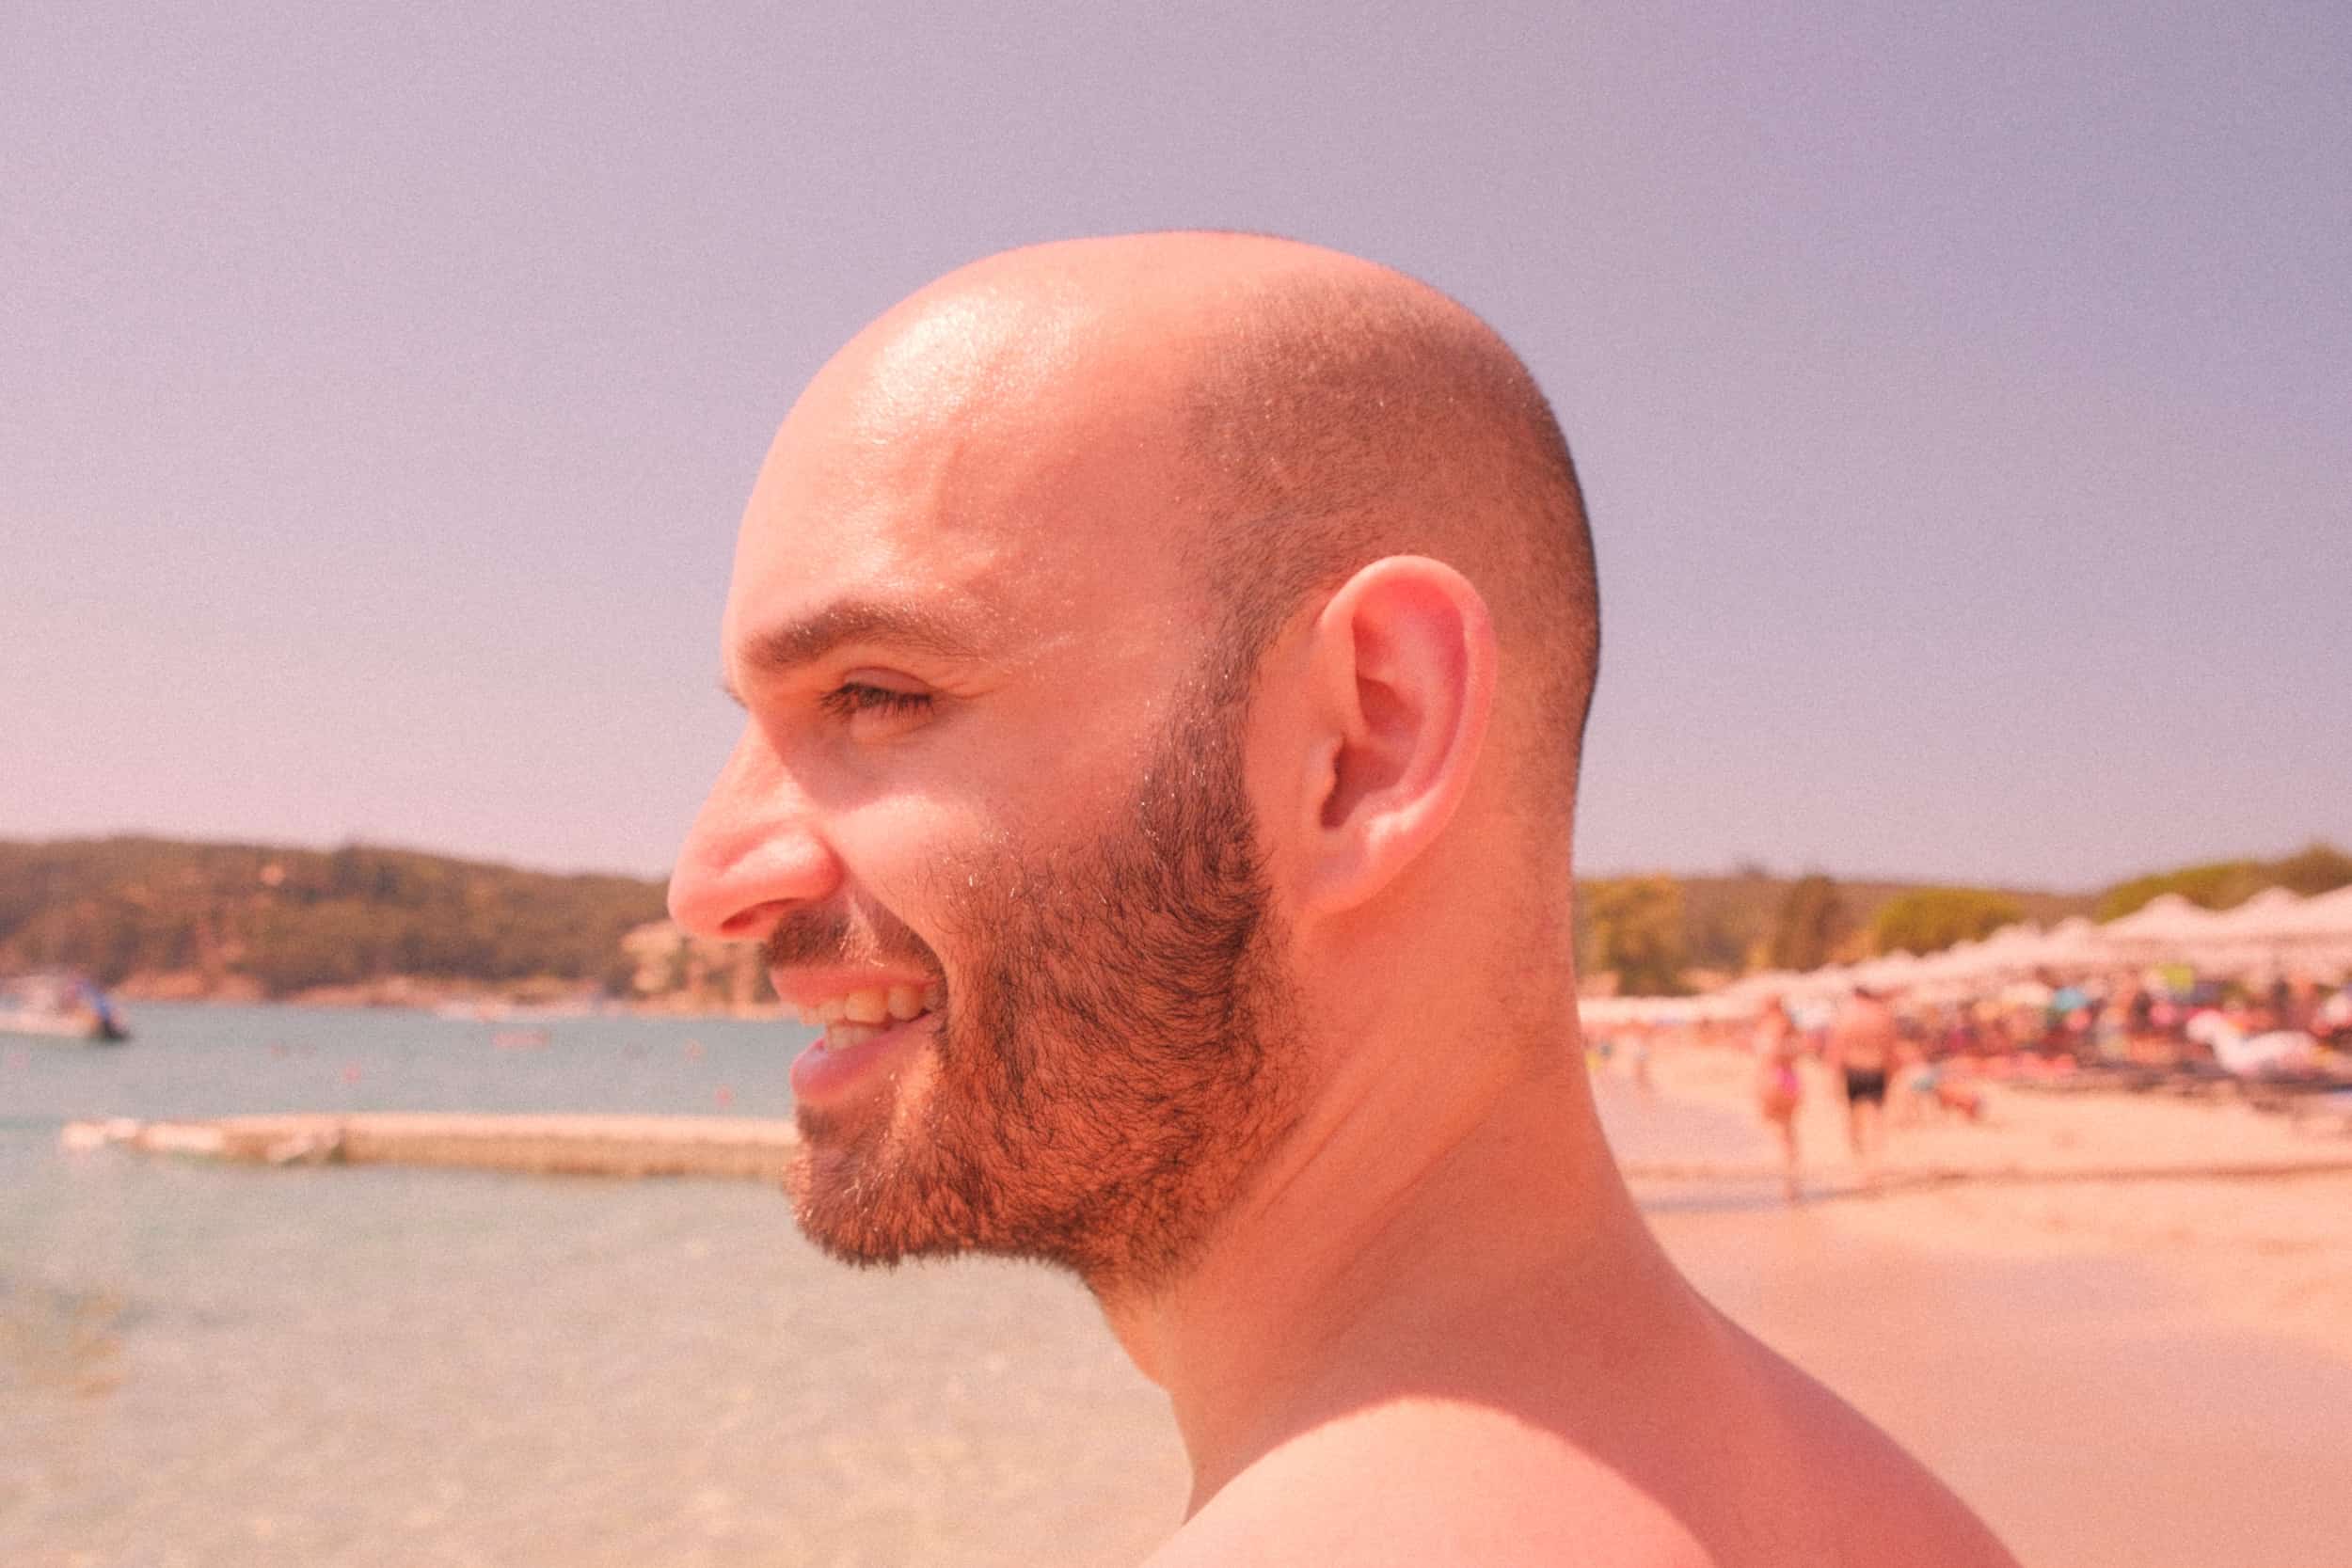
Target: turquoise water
x=208, y=1061
x=207, y=1365
x=203, y=1365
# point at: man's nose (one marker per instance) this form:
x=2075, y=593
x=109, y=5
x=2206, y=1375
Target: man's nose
x=752, y=852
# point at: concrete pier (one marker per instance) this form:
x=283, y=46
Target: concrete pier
x=760, y=1149
x=536, y=1145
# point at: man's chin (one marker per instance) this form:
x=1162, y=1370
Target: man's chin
x=850, y=1200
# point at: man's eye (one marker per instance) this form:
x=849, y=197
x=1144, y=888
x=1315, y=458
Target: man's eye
x=852, y=698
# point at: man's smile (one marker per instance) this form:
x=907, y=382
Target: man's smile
x=864, y=1019
x=855, y=1017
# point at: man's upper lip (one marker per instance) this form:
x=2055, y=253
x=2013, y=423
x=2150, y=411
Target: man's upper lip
x=810, y=987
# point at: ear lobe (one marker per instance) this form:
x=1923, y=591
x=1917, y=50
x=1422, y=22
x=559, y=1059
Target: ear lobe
x=1404, y=665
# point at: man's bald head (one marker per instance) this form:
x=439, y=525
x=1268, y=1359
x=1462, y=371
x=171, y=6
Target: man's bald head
x=1319, y=412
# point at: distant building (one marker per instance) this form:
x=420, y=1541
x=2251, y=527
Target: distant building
x=692, y=973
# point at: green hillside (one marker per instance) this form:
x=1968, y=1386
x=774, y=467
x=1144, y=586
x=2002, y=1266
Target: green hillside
x=1664, y=934
x=2223, y=884
x=1714, y=928
x=166, y=917
x=212, y=919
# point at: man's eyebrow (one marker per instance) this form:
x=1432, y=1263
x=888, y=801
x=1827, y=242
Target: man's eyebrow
x=781, y=650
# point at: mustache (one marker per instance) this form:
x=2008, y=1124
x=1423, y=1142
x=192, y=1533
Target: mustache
x=844, y=936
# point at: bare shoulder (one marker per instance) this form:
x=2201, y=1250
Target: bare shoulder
x=1887, y=1507
x=1438, y=1483
x=1432, y=1484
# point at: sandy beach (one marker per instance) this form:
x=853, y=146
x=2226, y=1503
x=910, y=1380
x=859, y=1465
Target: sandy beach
x=2136, y=1372
x=2268, y=1247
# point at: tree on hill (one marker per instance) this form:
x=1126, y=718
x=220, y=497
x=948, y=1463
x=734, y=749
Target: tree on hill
x=2218, y=885
x=1727, y=921
x=2225, y=885
x=2314, y=869
x=1930, y=919
x=1633, y=926
x=1813, y=921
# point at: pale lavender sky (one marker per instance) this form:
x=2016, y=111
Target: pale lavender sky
x=1964, y=400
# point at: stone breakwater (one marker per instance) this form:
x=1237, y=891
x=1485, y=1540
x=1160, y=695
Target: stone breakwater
x=760, y=1149
x=623, y=1146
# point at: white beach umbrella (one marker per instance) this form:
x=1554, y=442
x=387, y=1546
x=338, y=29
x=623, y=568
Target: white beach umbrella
x=1956, y=963
x=2272, y=912
x=2076, y=944
x=2167, y=915
x=2317, y=933
x=1829, y=980
x=1896, y=970
x=2324, y=918
x=2014, y=949
x=2167, y=926
x=2275, y=929
x=2253, y=936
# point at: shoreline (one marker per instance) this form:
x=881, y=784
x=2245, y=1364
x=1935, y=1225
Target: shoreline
x=2247, y=1211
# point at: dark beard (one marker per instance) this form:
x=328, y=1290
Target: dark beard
x=1116, y=1063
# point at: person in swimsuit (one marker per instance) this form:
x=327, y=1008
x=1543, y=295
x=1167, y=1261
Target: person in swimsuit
x=1778, y=1089
x=1861, y=1043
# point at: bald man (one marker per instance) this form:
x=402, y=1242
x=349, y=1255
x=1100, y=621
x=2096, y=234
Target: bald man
x=1167, y=661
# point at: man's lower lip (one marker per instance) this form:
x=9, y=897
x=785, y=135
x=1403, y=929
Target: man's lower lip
x=821, y=1075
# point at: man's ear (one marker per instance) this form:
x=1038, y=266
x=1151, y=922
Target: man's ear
x=1400, y=676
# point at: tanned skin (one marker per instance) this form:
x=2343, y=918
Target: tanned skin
x=1866, y=1038
x=1401, y=1305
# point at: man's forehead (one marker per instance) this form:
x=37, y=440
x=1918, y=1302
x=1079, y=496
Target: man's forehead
x=991, y=456
x=981, y=355
x=805, y=549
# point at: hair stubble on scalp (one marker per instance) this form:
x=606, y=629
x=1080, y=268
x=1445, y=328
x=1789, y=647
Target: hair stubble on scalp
x=1338, y=416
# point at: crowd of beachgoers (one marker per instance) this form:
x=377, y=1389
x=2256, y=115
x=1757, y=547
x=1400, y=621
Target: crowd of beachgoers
x=2169, y=1017
x=1903, y=1044
x=2262, y=991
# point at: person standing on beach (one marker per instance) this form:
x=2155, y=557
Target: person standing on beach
x=1166, y=662
x=1779, y=1092
x=1862, y=1049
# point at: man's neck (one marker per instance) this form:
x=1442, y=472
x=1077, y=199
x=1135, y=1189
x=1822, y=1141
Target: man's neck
x=1408, y=1242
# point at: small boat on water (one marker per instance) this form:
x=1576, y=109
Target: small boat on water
x=59, y=1007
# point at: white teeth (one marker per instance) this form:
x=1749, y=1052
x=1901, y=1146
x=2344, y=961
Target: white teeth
x=841, y=1036
x=860, y=1015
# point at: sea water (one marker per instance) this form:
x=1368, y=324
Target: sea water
x=204, y=1364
